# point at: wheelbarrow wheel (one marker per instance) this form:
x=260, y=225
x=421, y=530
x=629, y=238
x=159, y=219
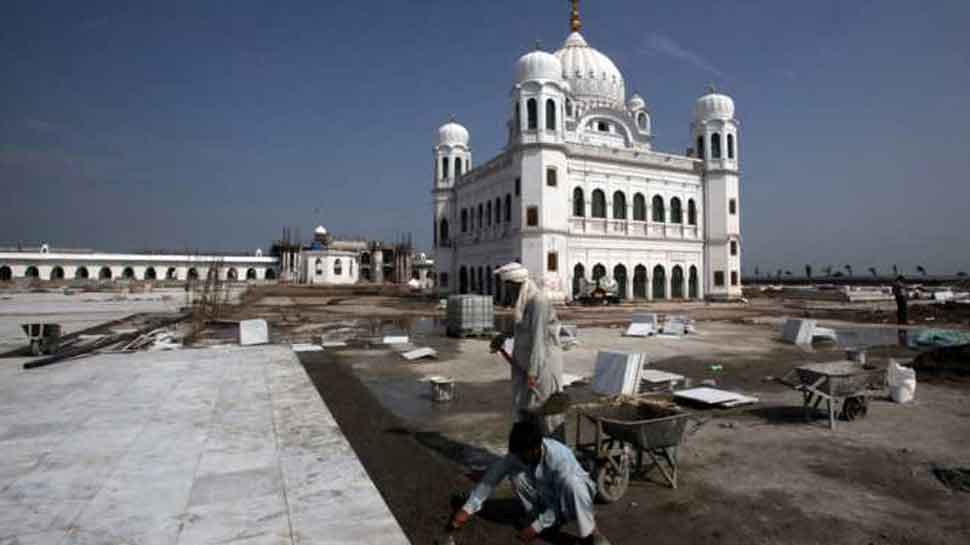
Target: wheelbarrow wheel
x=855, y=407
x=613, y=476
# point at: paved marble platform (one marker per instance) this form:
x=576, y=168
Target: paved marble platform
x=221, y=445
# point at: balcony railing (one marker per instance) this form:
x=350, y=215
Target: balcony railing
x=632, y=228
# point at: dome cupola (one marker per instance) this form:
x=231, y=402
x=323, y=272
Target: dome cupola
x=636, y=102
x=538, y=65
x=452, y=134
x=592, y=76
x=714, y=106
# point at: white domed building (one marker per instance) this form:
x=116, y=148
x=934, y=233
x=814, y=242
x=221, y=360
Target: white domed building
x=579, y=193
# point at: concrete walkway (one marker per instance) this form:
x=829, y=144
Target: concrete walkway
x=222, y=445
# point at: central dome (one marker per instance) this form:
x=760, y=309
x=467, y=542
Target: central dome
x=592, y=76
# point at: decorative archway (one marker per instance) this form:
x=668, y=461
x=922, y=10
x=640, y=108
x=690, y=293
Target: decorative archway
x=32, y=272
x=659, y=282
x=692, y=284
x=599, y=271
x=57, y=273
x=150, y=273
x=104, y=273
x=619, y=275
x=270, y=274
x=128, y=273
x=172, y=274
x=232, y=275
x=677, y=282
x=193, y=274
x=579, y=274
x=81, y=273
x=6, y=274
x=250, y=274
x=463, y=280
x=640, y=282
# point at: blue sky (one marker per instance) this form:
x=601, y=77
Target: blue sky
x=210, y=125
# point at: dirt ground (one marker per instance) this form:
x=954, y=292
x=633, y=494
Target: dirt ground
x=760, y=474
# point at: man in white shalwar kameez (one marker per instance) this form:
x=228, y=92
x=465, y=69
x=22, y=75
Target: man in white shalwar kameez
x=537, y=352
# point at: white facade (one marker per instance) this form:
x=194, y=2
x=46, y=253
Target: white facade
x=330, y=267
x=53, y=265
x=579, y=191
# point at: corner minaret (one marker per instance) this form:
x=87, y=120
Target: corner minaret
x=452, y=158
x=714, y=132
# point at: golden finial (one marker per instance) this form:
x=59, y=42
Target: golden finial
x=575, y=23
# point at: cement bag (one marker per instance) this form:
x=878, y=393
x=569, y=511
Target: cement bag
x=902, y=382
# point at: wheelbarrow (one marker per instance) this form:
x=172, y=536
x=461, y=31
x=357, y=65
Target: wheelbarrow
x=646, y=429
x=842, y=385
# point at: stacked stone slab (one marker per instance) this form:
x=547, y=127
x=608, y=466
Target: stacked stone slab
x=470, y=315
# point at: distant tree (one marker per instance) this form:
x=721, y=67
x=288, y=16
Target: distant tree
x=779, y=273
x=848, y=269
x=757, y=272
x=874, y=272
x=837, y=274
x=921, y=270
x=895, y=271
x=961, y=274
x=789, y=273
x=827, y=270
x=808, y=271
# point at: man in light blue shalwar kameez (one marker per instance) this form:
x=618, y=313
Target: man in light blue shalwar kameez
x=547, y=479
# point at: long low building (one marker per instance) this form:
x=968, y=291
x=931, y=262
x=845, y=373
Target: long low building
x=45, y=263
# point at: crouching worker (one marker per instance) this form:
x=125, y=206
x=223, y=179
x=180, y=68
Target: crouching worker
x=548, y=481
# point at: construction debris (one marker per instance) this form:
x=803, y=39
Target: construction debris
x=714, y=397
x=617, y=373
x=419, y=353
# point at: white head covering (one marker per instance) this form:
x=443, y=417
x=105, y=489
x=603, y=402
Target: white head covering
x=518, y=274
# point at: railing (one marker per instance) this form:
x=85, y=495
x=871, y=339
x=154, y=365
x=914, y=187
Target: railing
x=633, y=228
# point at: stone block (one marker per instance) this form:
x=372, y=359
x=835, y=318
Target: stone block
x=252, y=332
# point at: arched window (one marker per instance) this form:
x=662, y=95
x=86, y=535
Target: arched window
x=338, y=267
x=319, y=266
x=659, y=214
x=444, y=167
x=619, y=275
x=250, y=274
x=715, y=146
x=619, y=205
x=599, y=204
x=481, y=213
x=532, y=113
x=32, y=272
x=659, y=282
x=270, y=274
x=488, y=213
x=365, y=257
x=6, y=274
x=498, y=210
x=642, y=121
x=462, y=280
x=550, y=115
x=464, y=226
x=640, y=282
x=81, y=273
x=700, y=147
x=508, y=208
x=676, y=213
x=677, y=283
x=457, y=167
x=128, y=273
x=639, y=208
x=579, y=203
x=150, y=273
x=105, y=273
x=691, y=212
x=232, y=275
x=599, y=271
x=692, y=282
x=57, y=273
x=730, y=146
x=579, y=274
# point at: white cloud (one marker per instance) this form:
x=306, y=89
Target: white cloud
x=664, y=45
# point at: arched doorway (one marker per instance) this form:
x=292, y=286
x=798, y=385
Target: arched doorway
x=6, y=274
x=150, y=273
x=104, y=274
x=599, y=271
x=128, y=273
x=32, y=272
x=270, y=274
x=619, y=275
x=640, y=282
x=659, y=283
x=692, y=282
x=498, y=291
x=250, y=274
x=193, y=274
x=171, y=274
x=57, y=273
x=481, y=281
x=677, y=282
x=463, y=280
x=232, y=275
x=81, y=273
x=488, y=280
x=579, y=275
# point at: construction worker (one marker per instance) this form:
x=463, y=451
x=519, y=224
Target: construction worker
x=536, y=358
x=548, y=481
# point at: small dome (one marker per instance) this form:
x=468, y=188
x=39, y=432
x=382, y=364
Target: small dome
x=452, y=134
x=591, y=75
x=538, y=65
x=714, y=106
x=320, y=230
x=636, y=102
